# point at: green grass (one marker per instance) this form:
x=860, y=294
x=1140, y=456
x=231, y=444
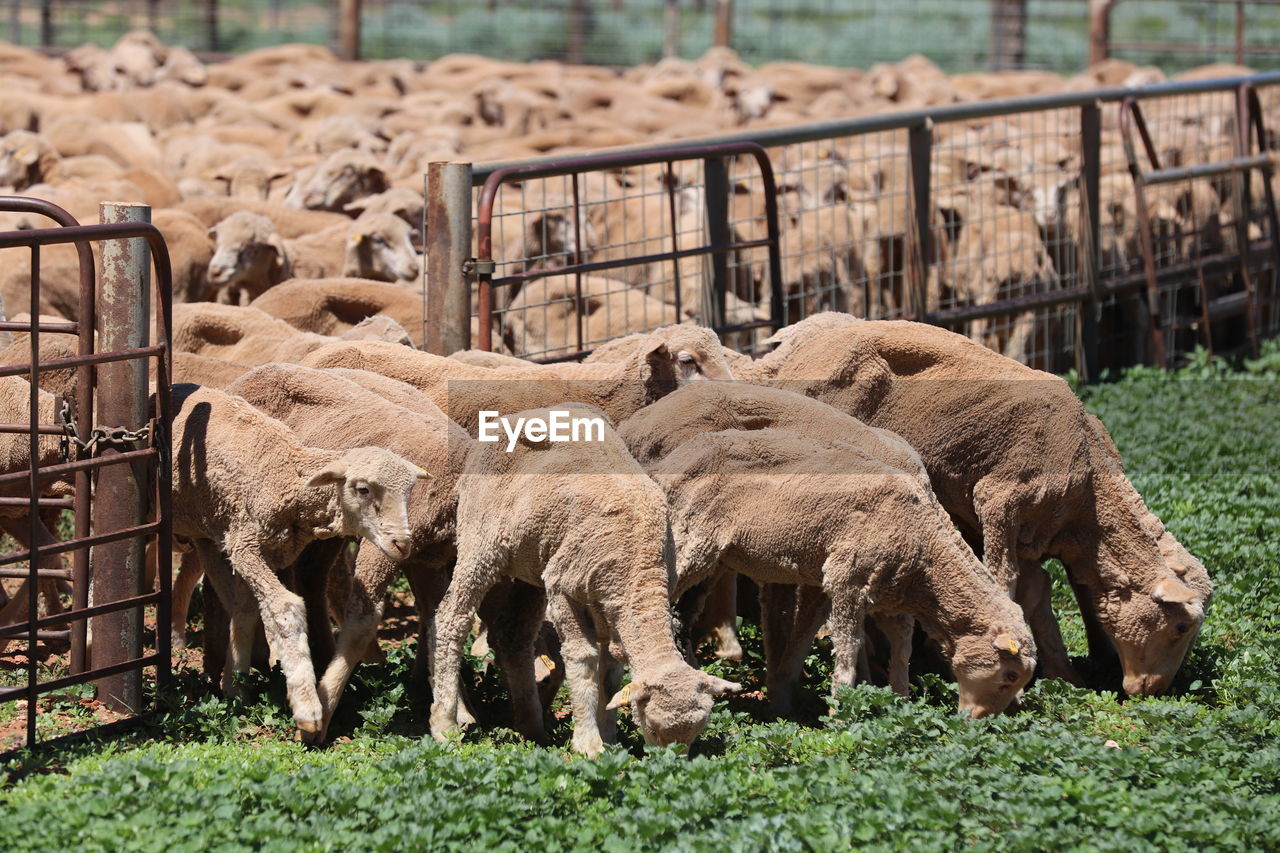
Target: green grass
x=1198, y=769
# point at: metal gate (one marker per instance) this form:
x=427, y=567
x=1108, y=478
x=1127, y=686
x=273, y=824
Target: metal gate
x=120, y=473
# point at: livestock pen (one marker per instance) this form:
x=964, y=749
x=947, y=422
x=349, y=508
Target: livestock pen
x=1017, y=222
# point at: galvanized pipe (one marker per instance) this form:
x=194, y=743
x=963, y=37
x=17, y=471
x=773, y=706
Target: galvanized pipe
x=123, y=323
x=448, y=245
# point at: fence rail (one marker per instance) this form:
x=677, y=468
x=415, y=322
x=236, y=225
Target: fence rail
x=1012, y=221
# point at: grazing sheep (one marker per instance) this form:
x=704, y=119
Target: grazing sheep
x=783, y=508
x=245, y=335
x=586, y=524
x=328, y=409
x=658, y=429
x=1023, y=468
x=330, y=306
x=463, y=391
x=251, y=496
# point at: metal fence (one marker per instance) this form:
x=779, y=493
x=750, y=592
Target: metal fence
x=119, y=474
x=960, y=35
x=1015, y=222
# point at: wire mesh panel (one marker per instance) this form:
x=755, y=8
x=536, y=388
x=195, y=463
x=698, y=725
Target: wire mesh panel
x=588, y=249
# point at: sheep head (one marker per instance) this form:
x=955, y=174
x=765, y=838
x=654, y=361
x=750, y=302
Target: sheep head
x=345, y=176
x=249, y=256
x=697, y=352
x=25, y=158
x=992, y=668
x=373, y=496
x=380, y=247
x=672, y=705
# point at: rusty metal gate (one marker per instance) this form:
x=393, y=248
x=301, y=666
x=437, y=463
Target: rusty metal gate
x=119, y=473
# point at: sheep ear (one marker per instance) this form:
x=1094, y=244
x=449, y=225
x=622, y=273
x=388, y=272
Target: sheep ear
x=277, y=243
x=1169, y=591
x=334, y=472
x=26, y=155
x=719, y=686
x=633, y=692
x=657, y=351
x=1005, y=642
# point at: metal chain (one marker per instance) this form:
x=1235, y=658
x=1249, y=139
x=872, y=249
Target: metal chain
x=98, y=436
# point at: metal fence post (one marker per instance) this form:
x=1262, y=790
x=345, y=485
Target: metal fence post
x=124, y=320
x=447, y=303
x=716, y=183
x=919, y=243
x=211, y=24
x=46, y=23
x=671, y=29
x=1008, y=37
x=1090, y=261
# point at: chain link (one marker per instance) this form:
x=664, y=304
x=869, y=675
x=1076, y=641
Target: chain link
x=98, y=436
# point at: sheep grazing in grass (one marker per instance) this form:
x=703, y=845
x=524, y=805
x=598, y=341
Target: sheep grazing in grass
x=582, y=520
x=463, y=391
x=328, y=409
x=251, y=496
x=658, y=429
x=783, y=508
x=245, y=335
x=1023, y=469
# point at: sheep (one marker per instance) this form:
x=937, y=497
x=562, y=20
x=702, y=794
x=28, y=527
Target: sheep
x=544, y=317
x=403, y=202
x=330, y=306
x=829, y=514
x=328, y=409
x=193, y=369
x=463, y=391
x=587, y=525
x=1023, y=468
x=288, y=222
x=250, y=496
x=251, y=257
x=345, y=176
x=658, y=429
x=248, y=177
x=26, y=158
x=15, y=455
x=698, y=351
x=244, y=335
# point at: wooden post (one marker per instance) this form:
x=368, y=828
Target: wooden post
x=1099, y=30
x=671, y=26
x=1008, y=37
x=724, y=23
x=349, y=30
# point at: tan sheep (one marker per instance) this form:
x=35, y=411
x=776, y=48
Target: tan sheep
x=1019, y=463
x=330, y=306
x=697, y=349
x=587, y=525
x=828, y=514
x=251, y=496
x=463, y=391
x=244, y=335
x=287, y=221
x=345, y=176
x=251, y=257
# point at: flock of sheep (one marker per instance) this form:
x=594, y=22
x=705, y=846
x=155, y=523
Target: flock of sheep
x=855, y=471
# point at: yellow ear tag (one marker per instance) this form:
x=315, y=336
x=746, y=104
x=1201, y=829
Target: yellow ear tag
x=548, y=663
x=1013, y=647
x=626, y=696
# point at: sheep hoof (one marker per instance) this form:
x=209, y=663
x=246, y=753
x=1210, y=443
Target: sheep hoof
x=590, y=746
x=729, y=651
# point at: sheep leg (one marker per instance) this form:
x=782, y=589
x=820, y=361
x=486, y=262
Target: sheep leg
x=999, y=537
x=284, y=619
x=184, y=586
x=428, y=581
x=1016, y=346
x=898, y=629
x=15, y=610
x=472, y=578
x=782, y=675
x=514, y=612
x=609, y=672
x=846, y=589
x=720, y=615
x=1033, y=597
x=312, y=571
x=580, y=646
x=239, y=636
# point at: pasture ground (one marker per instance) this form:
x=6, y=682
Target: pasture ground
x=1196, y=769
